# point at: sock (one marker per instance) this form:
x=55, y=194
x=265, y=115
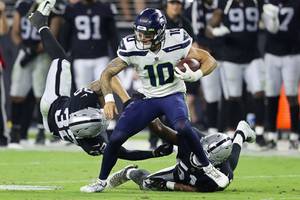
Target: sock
x=259, y=111
x=40, y=121
x=294, y=110
x=16, y=113
x=271, y=111
x=212, y=114
x=51, y=46
x=238, y=139
x=233, y=113
x=26, y=118
x=235, y=155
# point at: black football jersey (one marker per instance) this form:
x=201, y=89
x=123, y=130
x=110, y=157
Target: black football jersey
x=29, y=34
x=286, y=40
x=242, y=19
x=199, y=14
x=63, y=106
x=88, y=30
x=187, y=172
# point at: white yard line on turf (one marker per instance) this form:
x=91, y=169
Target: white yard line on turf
x=88, y=180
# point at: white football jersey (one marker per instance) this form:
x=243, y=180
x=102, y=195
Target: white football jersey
x=156, y=70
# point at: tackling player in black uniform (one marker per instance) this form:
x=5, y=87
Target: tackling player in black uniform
x=77, y=117
x=188, y=175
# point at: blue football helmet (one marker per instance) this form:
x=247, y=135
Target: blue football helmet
x=149, y=28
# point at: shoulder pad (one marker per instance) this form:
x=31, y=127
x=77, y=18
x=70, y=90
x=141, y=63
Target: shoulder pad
x=177, y=34
x=127, y=43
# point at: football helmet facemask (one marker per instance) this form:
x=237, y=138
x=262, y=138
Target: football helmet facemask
x=218, y=147
x=88, y=122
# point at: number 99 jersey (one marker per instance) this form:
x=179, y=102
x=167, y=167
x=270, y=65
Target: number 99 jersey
x=156, y=70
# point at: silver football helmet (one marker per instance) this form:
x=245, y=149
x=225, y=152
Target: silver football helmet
x=218, y=147
x=88, y=122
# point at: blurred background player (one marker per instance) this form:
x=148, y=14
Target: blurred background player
x=282, y=66
x=200, y=12
x=3, y=119
x=88, y=33
x=237, y=22
x=29, y=70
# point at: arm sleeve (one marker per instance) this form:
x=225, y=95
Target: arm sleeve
x=134, y=154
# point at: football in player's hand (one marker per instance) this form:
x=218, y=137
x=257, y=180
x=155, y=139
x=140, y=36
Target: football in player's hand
x=191, y=62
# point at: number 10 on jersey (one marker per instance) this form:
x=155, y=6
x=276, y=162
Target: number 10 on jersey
x=160, y=74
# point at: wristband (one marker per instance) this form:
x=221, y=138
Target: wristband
x=109, y=98
x=170, y=185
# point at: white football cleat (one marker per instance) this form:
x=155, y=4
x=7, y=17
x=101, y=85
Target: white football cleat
x=218, y=177
x=249, y=134
x=119, y=177
x=46, y=6
x=98, y=186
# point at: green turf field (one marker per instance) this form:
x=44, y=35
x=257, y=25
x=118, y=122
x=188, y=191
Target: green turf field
x=267, y=178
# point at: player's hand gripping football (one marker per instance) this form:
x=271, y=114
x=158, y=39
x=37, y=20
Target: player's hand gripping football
x=188, y=75
x=110, y=110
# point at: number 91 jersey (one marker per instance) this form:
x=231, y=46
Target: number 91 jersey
x=156, y=70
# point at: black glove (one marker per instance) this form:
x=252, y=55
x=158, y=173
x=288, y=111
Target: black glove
x=156, y=183
x=163, y=150
x=30, y=54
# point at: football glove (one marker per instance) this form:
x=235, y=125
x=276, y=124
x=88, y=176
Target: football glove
x=270, y=18
x=188, y=75
x=220, y=31
x=163, y=150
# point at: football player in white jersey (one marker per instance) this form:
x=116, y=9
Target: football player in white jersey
x=154, y=52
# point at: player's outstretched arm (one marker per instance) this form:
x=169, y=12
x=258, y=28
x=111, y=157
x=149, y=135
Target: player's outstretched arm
x=208, y=63
x=163, y=131
x=162, y=150
x=39, y=19
x=113, y=68
x=116, y=88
